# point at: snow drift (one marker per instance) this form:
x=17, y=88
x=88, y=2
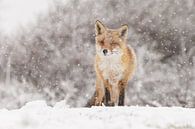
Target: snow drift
x=38, y=115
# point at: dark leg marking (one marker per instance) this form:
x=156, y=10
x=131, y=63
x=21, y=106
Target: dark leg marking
x=121, y=97
x=107, y=97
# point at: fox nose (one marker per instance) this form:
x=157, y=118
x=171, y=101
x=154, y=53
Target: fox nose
x=105, y=51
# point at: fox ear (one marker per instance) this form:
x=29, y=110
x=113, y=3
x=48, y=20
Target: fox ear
x=99, y=28
x=123, y=31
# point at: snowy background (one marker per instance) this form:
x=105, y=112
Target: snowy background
x=47, y=50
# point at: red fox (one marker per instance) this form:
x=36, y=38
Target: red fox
x=115, y=64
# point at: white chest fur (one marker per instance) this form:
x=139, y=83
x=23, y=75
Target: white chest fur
x=111, y=67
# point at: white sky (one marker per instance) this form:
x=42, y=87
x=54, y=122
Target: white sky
x=14, y=13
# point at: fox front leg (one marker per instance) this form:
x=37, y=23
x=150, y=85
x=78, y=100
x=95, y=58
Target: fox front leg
x=114, y=96
x=122, y=85
x=99, y=97
x=99, y=93
x=106, y=97
x=121, y=97
x=108, y=92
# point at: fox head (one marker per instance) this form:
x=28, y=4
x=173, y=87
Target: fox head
x=110, y=41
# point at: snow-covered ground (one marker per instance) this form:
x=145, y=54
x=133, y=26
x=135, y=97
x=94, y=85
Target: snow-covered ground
x=38, y=115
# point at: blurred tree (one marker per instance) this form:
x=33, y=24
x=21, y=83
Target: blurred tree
x=56, y=55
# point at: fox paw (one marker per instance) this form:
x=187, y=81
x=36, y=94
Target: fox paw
x=110, y=103
x=98, y=104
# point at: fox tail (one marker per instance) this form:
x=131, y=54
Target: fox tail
x=91, y=101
